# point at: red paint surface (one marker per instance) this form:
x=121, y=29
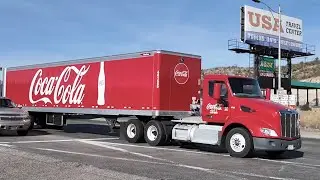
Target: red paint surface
x=175, y=95
x=130, y=84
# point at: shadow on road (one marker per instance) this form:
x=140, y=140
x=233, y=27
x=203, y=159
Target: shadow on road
x=258, y=154
x=34, y=132
x=92, y=129
x=286, y=155
x=204, y=148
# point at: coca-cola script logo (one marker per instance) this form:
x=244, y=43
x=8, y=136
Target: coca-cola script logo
x=213, y=108
x=181, y=73
x=43, y=87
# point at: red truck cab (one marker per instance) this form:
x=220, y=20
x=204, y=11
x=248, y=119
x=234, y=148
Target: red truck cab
x=249, y=121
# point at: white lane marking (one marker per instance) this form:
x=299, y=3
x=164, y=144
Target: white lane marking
x=162, y=148
x=135, y=160
x=55, y=140
x=120, y=149
x=6, y=145
x=220, y=172
x=282, y=168
x=208, y=153
x=97, y=155
x=259, y=176
x=288, y=162
x=310, y=158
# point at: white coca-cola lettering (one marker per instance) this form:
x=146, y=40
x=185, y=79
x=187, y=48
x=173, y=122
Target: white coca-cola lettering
x=213, y=106
x=181, y=73
x=72, y=93
x=210, y=106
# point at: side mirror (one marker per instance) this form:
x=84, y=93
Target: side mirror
x=217, y=91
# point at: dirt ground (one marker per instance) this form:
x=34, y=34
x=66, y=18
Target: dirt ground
x=310, y=119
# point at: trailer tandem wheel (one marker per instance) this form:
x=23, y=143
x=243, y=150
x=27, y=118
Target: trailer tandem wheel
x=154, y=133
x=134, y=130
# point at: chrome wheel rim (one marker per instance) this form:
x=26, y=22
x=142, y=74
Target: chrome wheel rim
x=152, y=133
x=131, y=130
x=237, y=143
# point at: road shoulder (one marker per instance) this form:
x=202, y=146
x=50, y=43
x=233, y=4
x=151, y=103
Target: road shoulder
x=310, y=133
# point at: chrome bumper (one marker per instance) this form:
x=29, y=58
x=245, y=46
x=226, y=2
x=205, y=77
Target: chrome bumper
x=15, y=125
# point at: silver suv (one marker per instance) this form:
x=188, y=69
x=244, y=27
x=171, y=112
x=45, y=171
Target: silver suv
x=13, y=118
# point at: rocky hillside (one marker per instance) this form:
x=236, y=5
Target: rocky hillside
x=303, y=71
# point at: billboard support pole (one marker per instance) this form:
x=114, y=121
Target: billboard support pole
x=279, y=52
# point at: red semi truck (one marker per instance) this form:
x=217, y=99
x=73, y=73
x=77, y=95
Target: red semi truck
x=157, y=96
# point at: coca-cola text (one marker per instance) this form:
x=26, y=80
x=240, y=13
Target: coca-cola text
x=72, y=93
x=181, y=73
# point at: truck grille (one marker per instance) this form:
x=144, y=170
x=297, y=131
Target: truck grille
x=290, y=124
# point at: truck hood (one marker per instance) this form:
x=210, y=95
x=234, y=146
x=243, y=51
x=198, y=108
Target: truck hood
x=12, y=111
x=261, y=104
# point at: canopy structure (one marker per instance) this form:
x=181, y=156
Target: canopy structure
x=305, y=86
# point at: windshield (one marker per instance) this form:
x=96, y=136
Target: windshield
x=6, y=103
x=245, y=87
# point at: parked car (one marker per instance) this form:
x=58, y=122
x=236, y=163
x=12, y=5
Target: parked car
x=13, y=117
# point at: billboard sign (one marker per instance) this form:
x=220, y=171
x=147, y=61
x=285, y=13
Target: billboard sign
x=261, y=27
x=267, y=64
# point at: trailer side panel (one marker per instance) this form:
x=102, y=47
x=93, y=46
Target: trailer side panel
x=128, y=85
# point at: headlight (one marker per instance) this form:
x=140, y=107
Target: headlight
x=268, y=132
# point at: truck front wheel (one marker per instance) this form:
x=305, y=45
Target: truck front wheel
x=239, y=143
x=134, y=131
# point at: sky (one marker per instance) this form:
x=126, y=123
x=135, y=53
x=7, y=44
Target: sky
x=38, y=31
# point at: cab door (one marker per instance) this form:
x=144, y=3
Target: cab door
x=215, y=109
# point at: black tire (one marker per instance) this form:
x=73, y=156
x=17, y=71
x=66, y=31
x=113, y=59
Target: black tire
x=134, y=131
x=40, y=120
x=22, y=132
x=31, y=125
x=32, y=120
x=246, y=146
x=154, y=133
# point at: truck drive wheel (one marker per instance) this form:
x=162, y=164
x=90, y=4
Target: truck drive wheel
x=134, y=131
x=239, y=143
x=154, y=133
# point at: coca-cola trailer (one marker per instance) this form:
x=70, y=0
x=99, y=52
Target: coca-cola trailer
x=155, y=95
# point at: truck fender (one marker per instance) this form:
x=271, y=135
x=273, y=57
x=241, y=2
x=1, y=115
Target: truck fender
x=244, y=122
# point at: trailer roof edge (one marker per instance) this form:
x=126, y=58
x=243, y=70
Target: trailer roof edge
x=101, y=58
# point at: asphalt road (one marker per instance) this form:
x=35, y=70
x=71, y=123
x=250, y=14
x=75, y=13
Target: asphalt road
x=54, y=154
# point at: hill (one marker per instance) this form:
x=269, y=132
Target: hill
x=303, y=71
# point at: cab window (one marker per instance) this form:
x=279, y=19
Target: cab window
x=224, y=90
